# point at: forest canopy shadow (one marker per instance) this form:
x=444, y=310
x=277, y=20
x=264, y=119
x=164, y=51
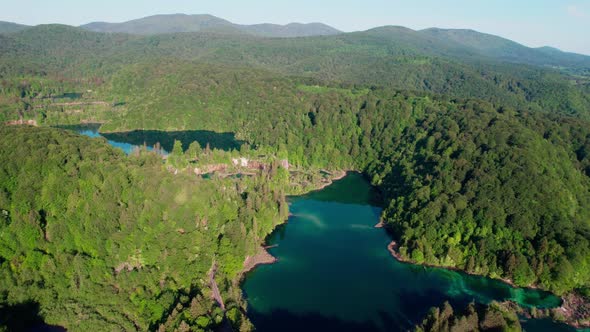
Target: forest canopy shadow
x=222, y=141
x=24, y=317
x=286, y=321
x=348, y=190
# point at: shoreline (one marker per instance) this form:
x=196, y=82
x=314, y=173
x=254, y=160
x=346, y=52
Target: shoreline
x=392, y=248
x=262, y=256
x=569, y=309
x=334, y=176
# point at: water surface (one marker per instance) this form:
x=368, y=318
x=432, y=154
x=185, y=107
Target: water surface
x=129, y=141
x=335, y=274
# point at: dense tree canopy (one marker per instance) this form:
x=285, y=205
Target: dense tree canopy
x=88, y=232
x=493, y=192
x=476, y=317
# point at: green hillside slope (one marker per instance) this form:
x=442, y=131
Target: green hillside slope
x=388, y=57
x=87, y=232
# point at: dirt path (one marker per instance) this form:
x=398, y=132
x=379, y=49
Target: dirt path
x=79, y=103
x=213, y=284
x=22, y=122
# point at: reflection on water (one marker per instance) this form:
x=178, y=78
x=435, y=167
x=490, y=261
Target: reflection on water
x=129, y=141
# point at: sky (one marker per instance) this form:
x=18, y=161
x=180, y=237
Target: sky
x=564, y=24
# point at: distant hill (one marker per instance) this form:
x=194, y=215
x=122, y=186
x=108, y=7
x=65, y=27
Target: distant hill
x=507, y=50
x=163, y=24
x=9, y=27
x=290, y=30
x=390, y=56
x=458, y=44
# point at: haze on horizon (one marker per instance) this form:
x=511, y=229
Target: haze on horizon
x=558, y=23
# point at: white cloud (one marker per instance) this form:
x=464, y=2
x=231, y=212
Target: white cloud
x=576, y=11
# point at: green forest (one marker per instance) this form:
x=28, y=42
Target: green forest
x=493, y=317
x=95, y=238
x=483, y=165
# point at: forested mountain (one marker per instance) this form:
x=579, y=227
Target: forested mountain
x=507, y=50
x=459, y=43
x=8, y=27
x=87, y=232
x=388, y=57
x=162, y=24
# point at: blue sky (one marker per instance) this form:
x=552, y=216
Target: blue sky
x=560, y=23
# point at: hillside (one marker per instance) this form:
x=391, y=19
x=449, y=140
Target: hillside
x=94, y=236
x=459, y=43
x=163, y=24
x=9, y=27
x=388, y=57
x=507, y=50
x=433, y=158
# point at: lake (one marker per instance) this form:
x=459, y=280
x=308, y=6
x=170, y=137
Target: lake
x=334, y=272
x=129, y=141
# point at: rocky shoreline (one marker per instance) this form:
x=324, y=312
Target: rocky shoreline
x=262, y=257
x=574, y=310
x=334, y=176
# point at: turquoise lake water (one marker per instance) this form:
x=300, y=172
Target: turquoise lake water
x=335, y=274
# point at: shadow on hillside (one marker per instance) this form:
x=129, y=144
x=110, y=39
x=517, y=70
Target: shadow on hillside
x=25, y=317
x=286, y=321
x=354, y=188
x=222, y=141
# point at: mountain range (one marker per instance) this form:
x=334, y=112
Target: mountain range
x=459, y=63
x=457, y=43
x=174, y=23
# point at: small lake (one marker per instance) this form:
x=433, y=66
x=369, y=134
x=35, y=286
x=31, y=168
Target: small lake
x=129, y=141
x=335, y=274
